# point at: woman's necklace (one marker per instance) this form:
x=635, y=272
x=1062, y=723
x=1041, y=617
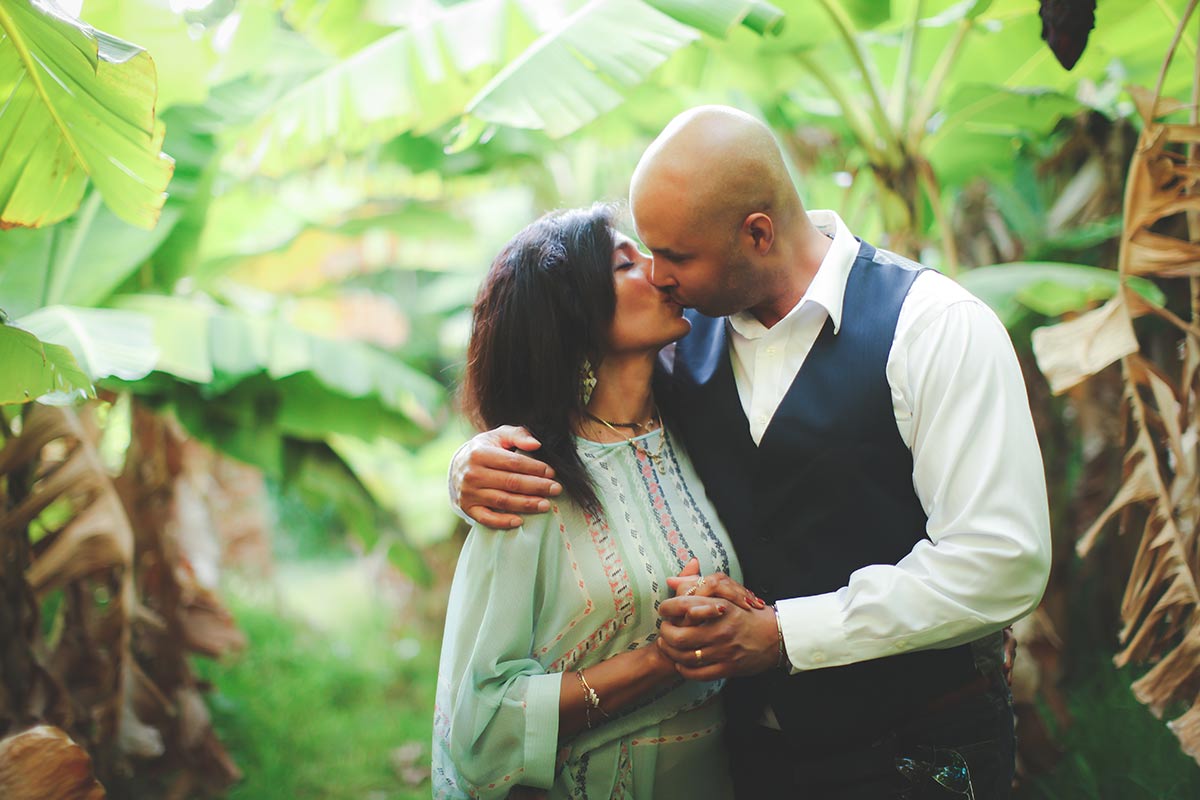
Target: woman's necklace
x=644, y=427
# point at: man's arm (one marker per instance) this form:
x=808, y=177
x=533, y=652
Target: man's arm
x=962, y=406
x=490, y=476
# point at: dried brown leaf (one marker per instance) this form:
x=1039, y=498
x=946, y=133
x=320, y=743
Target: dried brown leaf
x=1187, y=729
x=1172, y=679
x=1154, y=254
x=1073, y=351
x=1160, y=489
x=1153, y=108
x=43, y=763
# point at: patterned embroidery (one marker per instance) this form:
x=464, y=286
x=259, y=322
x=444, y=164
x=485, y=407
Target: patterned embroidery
x=619, y=585
x=699, y=520
x=661, y=511
x=687, y=737
x=588, y=605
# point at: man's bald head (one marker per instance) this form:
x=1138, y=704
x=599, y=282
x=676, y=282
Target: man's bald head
x=716, y=165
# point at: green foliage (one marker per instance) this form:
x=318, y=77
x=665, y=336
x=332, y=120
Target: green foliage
x=583, y=67
x=1114, y=749
x=1014, y=290
x=77, y=262
x=107, y=343
x=345, y=689
x=79, y=103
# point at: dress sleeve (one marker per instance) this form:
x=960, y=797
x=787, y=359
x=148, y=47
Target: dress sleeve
x=497, y=704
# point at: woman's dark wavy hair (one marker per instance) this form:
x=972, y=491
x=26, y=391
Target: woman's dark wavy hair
x=544, y=307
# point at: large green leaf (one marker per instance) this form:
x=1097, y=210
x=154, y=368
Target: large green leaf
x=204, y=342
x=719, y=17
x=77, y=262
x=1047, y=288
x=583, y=67
x=34, y=369
x=105, y=342
x=340, y=27
x=79, y=103
x=184, y=56
x=414, y=79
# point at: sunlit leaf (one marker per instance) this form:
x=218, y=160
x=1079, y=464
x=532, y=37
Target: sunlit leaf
x=414, y=79
x=576, y=72
x=79, y=104
x=106, y=342
x=34, y=369
x=1049, y=288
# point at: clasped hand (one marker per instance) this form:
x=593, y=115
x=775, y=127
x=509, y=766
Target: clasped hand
x=716, y=628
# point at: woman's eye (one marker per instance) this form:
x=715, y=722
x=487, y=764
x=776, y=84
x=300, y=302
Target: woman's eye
x=624, y=265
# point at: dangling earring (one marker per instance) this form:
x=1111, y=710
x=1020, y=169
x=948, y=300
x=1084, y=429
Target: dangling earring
x=587, y=381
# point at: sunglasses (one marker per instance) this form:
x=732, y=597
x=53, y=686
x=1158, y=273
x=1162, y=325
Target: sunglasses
x=944, y=766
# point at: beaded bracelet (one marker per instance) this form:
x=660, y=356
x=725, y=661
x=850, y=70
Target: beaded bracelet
x=591, y=700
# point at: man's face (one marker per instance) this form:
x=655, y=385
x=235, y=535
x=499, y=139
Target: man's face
x=699, y=265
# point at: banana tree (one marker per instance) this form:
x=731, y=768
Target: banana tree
x=1157, y=498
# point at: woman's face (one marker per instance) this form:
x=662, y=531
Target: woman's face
x=645, y=318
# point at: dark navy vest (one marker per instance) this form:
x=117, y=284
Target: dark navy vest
x=828, y=490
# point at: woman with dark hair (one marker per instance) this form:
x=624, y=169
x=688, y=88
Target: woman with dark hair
x=550, y=678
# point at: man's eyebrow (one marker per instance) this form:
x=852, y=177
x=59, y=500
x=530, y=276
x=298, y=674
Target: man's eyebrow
x=668, y=253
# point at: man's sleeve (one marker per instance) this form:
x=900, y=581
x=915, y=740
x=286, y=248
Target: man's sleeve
x=961, y=405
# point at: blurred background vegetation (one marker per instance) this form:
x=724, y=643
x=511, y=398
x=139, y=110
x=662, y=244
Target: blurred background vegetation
x=241, y=241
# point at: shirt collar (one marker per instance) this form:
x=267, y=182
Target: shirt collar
x=828, y=287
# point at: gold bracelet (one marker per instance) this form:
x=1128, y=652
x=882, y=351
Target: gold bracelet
x=591, y=700
x=784, y=662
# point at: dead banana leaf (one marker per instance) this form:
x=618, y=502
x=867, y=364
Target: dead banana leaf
x=1073, y=351
x=44, y=763
x=1160, y=491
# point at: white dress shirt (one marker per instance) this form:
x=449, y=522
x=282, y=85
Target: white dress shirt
x=960, y=405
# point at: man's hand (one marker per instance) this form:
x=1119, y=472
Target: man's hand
x=731, y=640
x=488, y=477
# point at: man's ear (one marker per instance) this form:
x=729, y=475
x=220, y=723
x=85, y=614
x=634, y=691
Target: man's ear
x=759, y=231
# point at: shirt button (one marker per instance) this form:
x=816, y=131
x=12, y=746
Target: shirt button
x=818, y=657
x=771, y=351
x=902, y=644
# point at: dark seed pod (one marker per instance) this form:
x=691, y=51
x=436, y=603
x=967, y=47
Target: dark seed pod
x=1065, y=27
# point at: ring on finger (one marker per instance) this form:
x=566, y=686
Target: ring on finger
x=699, y=657
x=695, y=587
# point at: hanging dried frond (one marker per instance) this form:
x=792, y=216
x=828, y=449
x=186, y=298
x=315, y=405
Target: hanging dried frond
x=125, y=556
x=170, y=494
x=88, y=558
x=1159, y=497
x=42, y=763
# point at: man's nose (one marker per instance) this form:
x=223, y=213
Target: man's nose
x=660, y=276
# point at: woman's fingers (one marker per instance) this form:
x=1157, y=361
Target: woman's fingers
x=717, y=584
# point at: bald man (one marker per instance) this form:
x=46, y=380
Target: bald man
x=861, y=425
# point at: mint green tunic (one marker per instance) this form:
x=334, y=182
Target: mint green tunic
x=563, y=592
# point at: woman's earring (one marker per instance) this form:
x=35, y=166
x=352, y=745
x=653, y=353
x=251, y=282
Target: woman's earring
x=587, y=381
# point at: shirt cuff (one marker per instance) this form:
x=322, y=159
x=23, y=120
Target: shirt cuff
x=814, y=632
x=541, y=729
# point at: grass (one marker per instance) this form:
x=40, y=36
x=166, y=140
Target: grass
x=327, y=693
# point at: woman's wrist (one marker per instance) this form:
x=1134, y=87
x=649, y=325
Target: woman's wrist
x=657, y=663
